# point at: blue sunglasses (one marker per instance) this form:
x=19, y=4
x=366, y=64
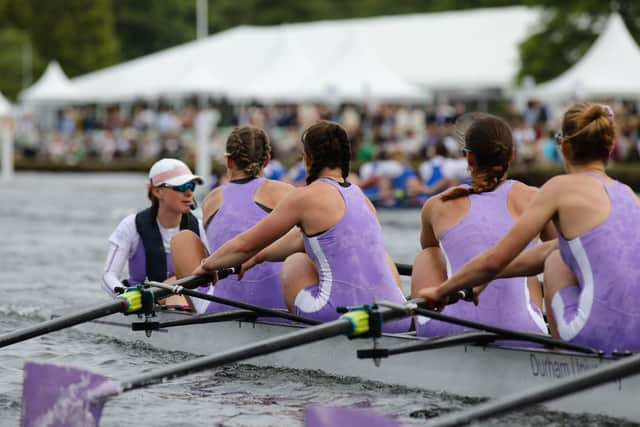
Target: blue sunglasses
x=183, y=187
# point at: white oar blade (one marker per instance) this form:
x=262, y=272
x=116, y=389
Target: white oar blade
x=331, y=416
x=56, y=396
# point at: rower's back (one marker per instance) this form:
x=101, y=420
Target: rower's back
x=239, y=212
x=597, y=219
x=603, y=311
x=467, y=220
x=506, y=302
x=237, y=206
x=350, y=258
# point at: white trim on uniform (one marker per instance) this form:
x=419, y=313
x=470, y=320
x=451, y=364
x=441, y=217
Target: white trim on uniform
x=305, y=300
x=535, y=316
x=568, y=330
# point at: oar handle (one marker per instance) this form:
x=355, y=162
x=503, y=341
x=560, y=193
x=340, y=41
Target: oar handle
x=192, y=282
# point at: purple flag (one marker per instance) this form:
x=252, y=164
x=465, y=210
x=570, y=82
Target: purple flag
x=58, y=396
x=331, y=416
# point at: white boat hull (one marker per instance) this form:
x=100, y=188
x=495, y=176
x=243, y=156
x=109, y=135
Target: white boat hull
x=465, y=370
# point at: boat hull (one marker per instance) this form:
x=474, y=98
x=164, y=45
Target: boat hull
x=465, y=370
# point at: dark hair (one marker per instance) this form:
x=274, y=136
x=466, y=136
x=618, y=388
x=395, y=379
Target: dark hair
x=590, y=130
x=249, y=148
x=490, y=140
x=327, y=145
x=154, y=200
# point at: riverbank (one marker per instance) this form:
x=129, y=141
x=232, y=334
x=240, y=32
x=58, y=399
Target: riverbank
x=629, y=173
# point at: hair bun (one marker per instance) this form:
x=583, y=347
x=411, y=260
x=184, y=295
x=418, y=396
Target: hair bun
x=596, y=111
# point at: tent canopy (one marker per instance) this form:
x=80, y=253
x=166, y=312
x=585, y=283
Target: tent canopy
x=5, y=106
x=392, y=57
x=52, y=87
x=610, y=68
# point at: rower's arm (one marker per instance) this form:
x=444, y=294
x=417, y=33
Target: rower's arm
x=279, y=250
x=245, y=245
x=531, y=261
x=485, y=267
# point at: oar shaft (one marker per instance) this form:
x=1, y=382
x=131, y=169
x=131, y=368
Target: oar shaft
x=52, y=325
x=404, y=269
x=262, y=311
x=619, y=369
x=504, y=333
x=268, y=346
x=341, y=326
x=114, y=306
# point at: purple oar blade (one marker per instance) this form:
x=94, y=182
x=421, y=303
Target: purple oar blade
x=331, y=416
x=57, y=396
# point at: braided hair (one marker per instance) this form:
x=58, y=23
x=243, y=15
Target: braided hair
x=327, y=145
x=490, y=140
x=249, y=148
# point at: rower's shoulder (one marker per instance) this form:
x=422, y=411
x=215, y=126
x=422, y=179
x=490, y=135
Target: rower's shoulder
x=271, y=192
x=211, y=203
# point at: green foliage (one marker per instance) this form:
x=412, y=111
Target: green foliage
x=77, y=33
x=146, y=26
x=13, y=43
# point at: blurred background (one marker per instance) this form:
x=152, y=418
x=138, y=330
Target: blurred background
x=113, y=85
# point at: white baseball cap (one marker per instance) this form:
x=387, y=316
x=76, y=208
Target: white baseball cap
x=172, y=172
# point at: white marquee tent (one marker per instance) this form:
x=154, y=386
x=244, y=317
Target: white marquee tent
x=610, y=68
x=5, y=106
x=385, y=57
x=53, y=87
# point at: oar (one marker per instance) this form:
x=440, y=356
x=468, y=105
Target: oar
x=404, y=269
x=505, y=333
x=49, y=389
x=128, y=302
x=261, y=311
x=614, y=371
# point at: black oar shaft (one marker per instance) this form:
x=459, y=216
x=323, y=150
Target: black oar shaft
x=114, y=306
x=619, y=369
x=111, y=307
x=268, y=346
x=262, y=311
x=404, y=269
x=505, y=333
x=341, y=326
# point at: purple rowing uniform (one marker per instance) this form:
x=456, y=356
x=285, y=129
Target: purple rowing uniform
x=603, y=310
x=239, y=212
x=351, y=261
x=505, y=302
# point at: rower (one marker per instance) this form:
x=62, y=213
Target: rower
x=337, y=256
x=143, y=240
x=231, y=209
x=592, y=282
x=465, y=220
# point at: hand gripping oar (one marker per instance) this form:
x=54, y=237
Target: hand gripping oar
x=74, y=397
x=614, y=371
x=129, y=302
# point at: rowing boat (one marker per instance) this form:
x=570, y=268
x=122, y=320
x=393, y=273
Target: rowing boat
x=466, y=365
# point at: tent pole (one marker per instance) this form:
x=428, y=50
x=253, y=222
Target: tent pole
x=7, y=149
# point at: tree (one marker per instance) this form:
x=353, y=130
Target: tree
x=13, y=43
x=78, y=33
x=146, y=26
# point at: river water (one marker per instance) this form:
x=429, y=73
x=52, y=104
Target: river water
x=53, y=241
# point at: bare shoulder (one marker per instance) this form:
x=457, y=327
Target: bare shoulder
x=272, y=192
x=521, y=194
x=211, y=204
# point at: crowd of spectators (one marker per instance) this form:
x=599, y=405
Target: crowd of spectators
x=400, y=151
